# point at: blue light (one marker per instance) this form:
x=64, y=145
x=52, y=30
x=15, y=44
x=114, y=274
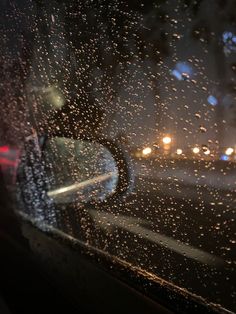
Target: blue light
x=184, y=68
x=224, y=157
x=212, y=100
x=229, y=40
x=177, y=75
x=182, y=71
x=227, y=36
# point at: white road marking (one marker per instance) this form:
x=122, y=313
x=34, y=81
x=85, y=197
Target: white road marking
x=133, y=225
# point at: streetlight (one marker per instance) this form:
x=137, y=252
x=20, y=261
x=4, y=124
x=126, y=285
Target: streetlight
x=179, y=151
x=166, y=140
x=146, y=151
x=196, y=150
x=229, y=151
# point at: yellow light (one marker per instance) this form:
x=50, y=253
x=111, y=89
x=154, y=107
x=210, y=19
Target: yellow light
x=179, y=151
x=147, y=151
x=166, y=140
x=196, y=150
x=207, y=152
x=54, y=96
x=229, y=151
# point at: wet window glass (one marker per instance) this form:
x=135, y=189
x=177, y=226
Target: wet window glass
x=118, y=128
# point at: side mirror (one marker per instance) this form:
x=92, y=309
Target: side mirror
x=85, y=170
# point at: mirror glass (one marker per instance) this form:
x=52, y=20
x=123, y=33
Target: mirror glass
x=79, y=170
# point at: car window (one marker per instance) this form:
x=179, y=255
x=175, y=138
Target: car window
x=157, y=79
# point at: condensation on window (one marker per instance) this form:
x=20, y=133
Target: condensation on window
x=157, y=79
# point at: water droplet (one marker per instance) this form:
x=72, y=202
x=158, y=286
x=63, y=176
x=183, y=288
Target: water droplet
x=202, y=129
